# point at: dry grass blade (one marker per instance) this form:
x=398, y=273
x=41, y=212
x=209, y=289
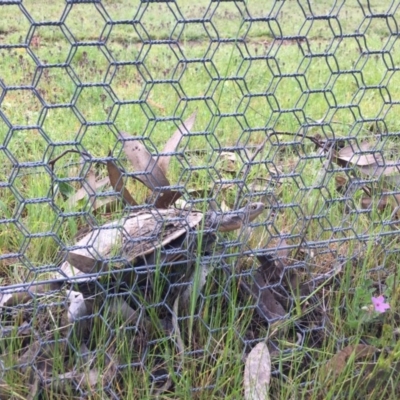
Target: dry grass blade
x=257, y=373
x=173, y=142
x=142, y=161
x=117, y=182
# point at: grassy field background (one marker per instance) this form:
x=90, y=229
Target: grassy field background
x=248, y=68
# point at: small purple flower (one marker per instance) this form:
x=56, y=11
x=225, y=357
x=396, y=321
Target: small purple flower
x=379, y=304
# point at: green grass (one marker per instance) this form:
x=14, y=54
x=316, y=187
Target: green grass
x=239, y=98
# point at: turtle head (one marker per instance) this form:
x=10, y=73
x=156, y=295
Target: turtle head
x=233, y=220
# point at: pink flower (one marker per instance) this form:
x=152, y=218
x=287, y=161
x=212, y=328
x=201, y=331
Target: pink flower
x=379, y=304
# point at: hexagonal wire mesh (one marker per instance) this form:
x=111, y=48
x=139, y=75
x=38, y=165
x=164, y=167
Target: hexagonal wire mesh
x=135, y=134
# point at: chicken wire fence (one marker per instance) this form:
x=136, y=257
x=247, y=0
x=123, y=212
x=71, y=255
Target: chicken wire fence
x=138, y=141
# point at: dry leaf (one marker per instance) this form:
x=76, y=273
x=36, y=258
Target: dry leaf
x=142, y=161
x=257, y=373
x=83, y=192
x=82, y=231
x=123, y=311
x=34, y=389
x=117, y=182
x=341, y=183
x=228, y=161
x=41, y=355
x=109, y=204
x=153, y=103
x=25, y=295
x=379, y=170
x=269, y=272
x=386, y=201
x=76, y=313
x=192, y=194
x=351, y=154
x=266, y=261
x=272, y=267
x=90, y=185
x=223, y=207
x=383, y=203
x=339, y=361
x=173, y=142
x=374, y=128
x=267, y=306
x=166, y=198
x=84, y=380
x=372, y=164
x=85, y=263
x=283, y=251
x=77, y=306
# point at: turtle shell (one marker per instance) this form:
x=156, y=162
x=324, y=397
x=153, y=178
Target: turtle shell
x=122, y=241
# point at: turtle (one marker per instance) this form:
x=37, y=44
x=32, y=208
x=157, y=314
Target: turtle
x=136, y=238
